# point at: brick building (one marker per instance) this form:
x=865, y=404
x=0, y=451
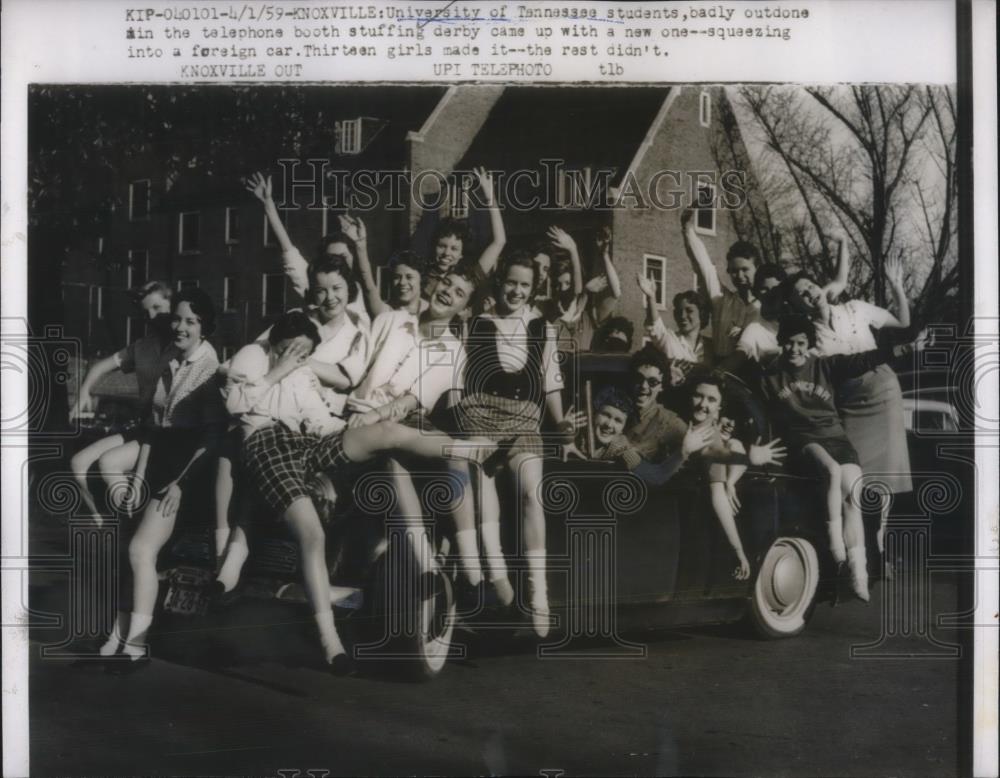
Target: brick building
x=195, y=229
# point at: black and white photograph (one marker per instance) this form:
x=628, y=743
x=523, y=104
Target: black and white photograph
x=502, y=426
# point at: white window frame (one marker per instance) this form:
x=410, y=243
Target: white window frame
x=570, y=191
x=230, y=240
x=100, y=246
x=227, y=353
x=263, y=293
x=269, y=233
x=705, y=109
x=348, y=136
x=228, y=282
x=382, y=277
x=458, y=201
x=100, y=303
x=130, y=266
x=131, y=199
x=697, y=210
x=188, y=281
x=648, y=260
x=180, y=232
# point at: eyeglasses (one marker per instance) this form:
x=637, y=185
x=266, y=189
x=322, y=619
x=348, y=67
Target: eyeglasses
x=652, y=383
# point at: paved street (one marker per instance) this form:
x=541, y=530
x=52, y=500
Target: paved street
x=249, y=700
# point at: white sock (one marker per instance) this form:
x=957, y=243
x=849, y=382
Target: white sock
x=232, y=565
x=328, y=636
x=493, y=550
x=114, y=642
x=221, y=538
x=135, y=643
x=858, y=561
x=468, y=553
x=536, y=578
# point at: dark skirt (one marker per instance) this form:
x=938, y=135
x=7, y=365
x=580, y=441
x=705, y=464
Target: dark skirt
x=170, y=451
x=839, y=448
x=871, y=408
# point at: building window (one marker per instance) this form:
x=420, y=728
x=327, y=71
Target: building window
x=100, y=246
x=187, y=283
x=273, y=294
x=383, y=280
x=229, y=296
x=348, y=134
x=227, y=353
x=99, y=302
x=655, y=268
x=188, y=229
x=232, y=226
x=458, y=201
x=270, y=239
x=573, y=188
x=138, y=200
x=704, y=109
x=137, y=270
x=704, y=216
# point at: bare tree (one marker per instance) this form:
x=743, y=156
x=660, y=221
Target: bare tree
x=876, y=162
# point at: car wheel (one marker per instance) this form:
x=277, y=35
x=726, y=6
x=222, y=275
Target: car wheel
x=785, y=589
x=419, y=642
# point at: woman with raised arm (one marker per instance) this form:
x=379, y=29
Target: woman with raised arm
x=451, y=240
x=336, y=244
x=871, y=404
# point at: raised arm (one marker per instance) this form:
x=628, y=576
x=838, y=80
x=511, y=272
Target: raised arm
x=564, y=240
x=701, y=262
x=491, y=254
x=836, y=287
x=354, y=228
x=894, y=278
x=295, y=266
x=604, y=247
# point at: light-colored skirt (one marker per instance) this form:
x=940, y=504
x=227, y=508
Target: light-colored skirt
x=871, y=408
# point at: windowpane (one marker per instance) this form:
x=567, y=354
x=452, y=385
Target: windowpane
x=274, y=294
x=705, y=213
x=138, y=200
x=189, y=229
x=232, y=225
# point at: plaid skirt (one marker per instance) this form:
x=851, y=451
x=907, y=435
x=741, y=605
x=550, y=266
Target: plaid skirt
x=514, y=422
x=279, y=462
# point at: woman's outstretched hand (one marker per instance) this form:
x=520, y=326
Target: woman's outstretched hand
x=260, y=187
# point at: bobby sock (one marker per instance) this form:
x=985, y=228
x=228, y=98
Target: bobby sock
x=110, y=648
x=328, y=636
x=536, y=578
x=135, y=643
x=232, y=565
x=422, y=549
x=468, y=552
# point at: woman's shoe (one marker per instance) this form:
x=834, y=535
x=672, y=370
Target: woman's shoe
x=120, y=666
x=342, y=666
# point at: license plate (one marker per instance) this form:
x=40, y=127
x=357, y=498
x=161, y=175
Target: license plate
x=187, y=594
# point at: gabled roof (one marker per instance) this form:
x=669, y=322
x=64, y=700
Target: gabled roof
x=598, y=126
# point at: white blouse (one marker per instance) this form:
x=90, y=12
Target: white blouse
x=851, y=328
x=512, y=346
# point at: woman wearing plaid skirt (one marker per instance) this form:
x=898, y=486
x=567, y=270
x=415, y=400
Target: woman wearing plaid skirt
x=511, y=372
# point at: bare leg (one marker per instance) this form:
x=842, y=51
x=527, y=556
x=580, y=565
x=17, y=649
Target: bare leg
x=308, y=530
x=153, y=533
x=526, y=470
x=724, y=513
x=83, y=460
x=364, y=443
x=854, y=530
x=830, y=472
x=223, y=498
x=115, y=466
x=463, y=513
x=490, y=531
x=409, y=509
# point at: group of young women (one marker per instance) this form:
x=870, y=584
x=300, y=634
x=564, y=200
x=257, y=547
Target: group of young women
x=351, y=377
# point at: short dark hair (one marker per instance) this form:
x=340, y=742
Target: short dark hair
x=743, y=249
x=796, y=324
x=704, y=375
x=616, y=398
x=409, y=258
x=292, y=325
x=453, y=228
x=788, y=294
x=467, y=271
x=201, y=305
x=517, y=258
x=334, y=264
x=649, y=356
x=600, y=341
x=700, y=300
x=337, y=237
x=162, y=288
x=766, y=271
